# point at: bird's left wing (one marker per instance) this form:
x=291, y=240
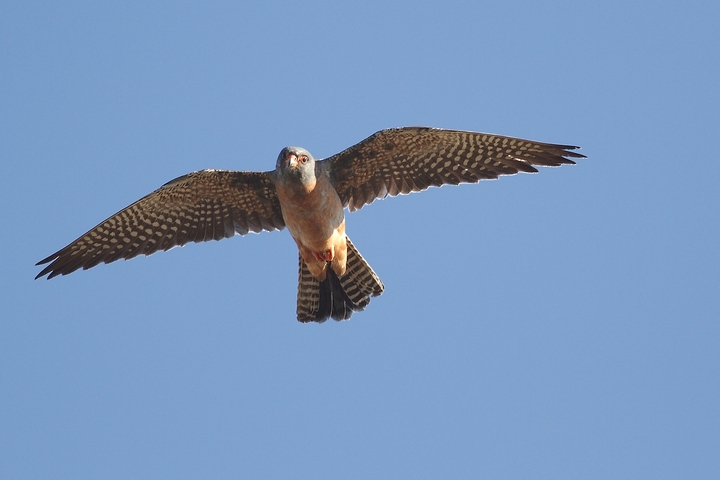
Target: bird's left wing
x=200, y=206
x=410, y=159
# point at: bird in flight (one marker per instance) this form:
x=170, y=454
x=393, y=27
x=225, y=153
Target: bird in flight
x=307, y=196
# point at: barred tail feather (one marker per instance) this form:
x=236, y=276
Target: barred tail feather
x=337, y=297
x=360, y=281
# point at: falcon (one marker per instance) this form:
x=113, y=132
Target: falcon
x=307, y=196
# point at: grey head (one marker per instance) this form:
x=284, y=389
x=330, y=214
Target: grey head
x=296, y=165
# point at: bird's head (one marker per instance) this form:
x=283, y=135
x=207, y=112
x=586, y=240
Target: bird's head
x=296, y=164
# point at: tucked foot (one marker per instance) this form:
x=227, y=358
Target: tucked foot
x=326, y=256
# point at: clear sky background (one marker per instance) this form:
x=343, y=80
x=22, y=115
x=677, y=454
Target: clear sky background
x=558, y=325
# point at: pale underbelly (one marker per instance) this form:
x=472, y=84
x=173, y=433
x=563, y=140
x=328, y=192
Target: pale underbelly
x=315, y=231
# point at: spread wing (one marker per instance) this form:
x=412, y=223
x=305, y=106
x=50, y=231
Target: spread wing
x=200, y=206
x=411, y=159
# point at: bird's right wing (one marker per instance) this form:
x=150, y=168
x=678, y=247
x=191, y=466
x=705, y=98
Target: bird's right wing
x=200, y=206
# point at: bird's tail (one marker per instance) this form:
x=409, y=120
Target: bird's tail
x=337, y=297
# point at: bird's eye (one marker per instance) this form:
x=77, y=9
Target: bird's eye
x=303, y=159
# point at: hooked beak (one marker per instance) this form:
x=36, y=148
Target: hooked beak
x=292, y=160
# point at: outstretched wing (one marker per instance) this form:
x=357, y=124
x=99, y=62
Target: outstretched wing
x=200, y=206
x=411, y=159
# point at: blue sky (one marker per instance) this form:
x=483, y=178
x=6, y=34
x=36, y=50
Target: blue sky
x=558, y=325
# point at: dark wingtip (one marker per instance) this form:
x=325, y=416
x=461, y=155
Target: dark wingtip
x=49, y=268
x=46, y=260
x=569, y=152
x=565, y=153
x=45, y=271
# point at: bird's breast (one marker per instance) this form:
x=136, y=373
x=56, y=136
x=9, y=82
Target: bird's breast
x=313, y=215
